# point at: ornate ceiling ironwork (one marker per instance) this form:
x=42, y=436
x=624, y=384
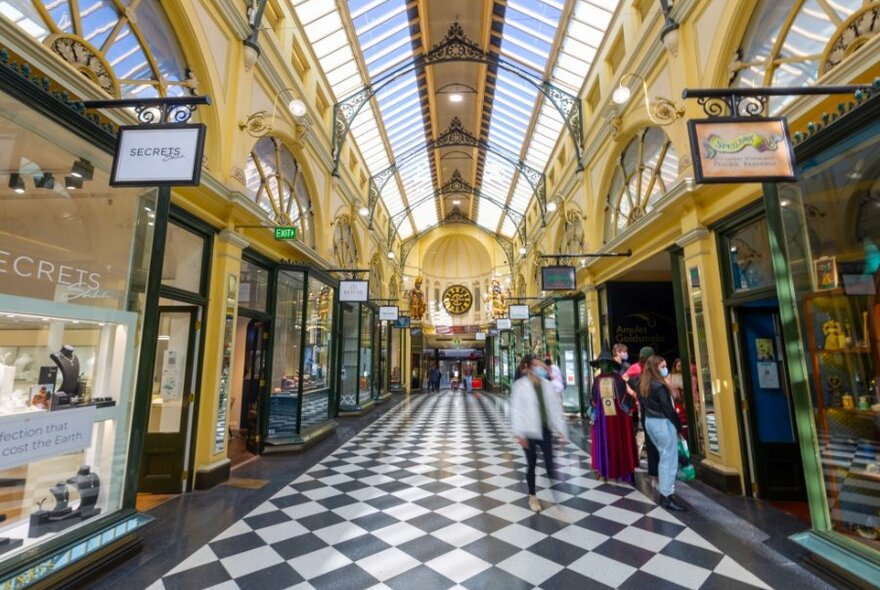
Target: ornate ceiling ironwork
x=457, y=136
x=457, y=47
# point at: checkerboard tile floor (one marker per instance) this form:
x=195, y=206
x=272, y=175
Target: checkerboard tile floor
x=432, y=496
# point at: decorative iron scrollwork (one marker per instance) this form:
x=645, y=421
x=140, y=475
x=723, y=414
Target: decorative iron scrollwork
x=455, y=47
x=733, y=105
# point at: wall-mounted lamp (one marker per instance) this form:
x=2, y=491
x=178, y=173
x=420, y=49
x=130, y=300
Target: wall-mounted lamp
x=553, y=204
x=390, y=254
x=252, y=49
x=261, y=122
x=82, y=169
x=523, y=250
x=16, y=182
x=661, y=111
x=669, y=34
x=362, y=208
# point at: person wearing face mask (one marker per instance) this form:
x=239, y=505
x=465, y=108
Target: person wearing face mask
x=662, y=425
x=535, y=417
x=621, y=356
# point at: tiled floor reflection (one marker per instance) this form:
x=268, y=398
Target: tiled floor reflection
x=432, y=496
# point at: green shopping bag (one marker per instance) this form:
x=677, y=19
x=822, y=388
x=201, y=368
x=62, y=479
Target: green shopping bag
x=686, y=471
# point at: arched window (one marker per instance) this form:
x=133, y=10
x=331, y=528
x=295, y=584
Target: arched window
x=275, y=182
x=644, y=172
x=344, y=245
x=787, y=42
x=126, y=47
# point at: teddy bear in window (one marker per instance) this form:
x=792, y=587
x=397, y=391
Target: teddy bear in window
x=834, y=337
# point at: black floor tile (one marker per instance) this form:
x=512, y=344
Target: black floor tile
x=624, y=553
x=350, y=577
x=199, y=577
x=693, y=555
x=491, y=550
x=557, y=551
x=496, y=579
x=236, y=544
x=642, y=580
x=375, y=521
x=426, y=548
x=419, y=578
x=296, y=546
x=277, y=577
x=361, y=547
x=321, y=520
x=430, y=522
x=571, y=580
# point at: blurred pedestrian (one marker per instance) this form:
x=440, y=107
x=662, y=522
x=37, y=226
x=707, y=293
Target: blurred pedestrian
x=536, y=416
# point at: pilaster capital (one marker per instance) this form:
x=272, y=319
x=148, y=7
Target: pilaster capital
x=230, y=237
x=694, y=235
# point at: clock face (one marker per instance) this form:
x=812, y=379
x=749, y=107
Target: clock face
x=457, y=299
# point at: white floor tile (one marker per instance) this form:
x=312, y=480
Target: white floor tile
x=242, y=564
x=458, y=534
x=644, y=539
x=602, y=569
x=530, y=567
x=387, y=564
x=397, y=534
x=458, y=565
x=320, y=562
x=677, y=571
x=519, y=536
x=339, y=533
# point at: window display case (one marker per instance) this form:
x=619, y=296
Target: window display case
x=65, y=374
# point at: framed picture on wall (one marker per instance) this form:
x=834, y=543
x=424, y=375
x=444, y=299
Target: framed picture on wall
x=826, y=272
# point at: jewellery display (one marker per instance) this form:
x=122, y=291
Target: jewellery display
x=62, y=515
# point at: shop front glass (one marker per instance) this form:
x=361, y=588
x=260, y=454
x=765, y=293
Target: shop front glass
x=566, y=353
x=365, y=374
x=831, y=226
x=348, y=375
x=73, y=263
x=316, y=407
x=586, y=350
x=536, y=334
x=286, y=356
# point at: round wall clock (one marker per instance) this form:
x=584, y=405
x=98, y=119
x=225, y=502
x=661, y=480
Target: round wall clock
x=457, y=299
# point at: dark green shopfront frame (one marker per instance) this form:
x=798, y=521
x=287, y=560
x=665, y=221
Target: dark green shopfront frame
x=578, y=343
x=843, y=554
x=101, y=542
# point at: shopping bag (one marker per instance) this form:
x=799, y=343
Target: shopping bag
x=686, y=471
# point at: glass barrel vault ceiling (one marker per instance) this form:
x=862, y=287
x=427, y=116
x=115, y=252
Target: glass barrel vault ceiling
x=532, y=39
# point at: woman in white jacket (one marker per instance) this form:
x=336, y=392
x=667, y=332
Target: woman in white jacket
x=535, y=416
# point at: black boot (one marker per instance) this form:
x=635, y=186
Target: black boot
x=670, y=503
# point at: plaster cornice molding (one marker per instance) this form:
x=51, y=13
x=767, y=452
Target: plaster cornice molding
x=233, y=15
x=231, y=237
x=694, y=235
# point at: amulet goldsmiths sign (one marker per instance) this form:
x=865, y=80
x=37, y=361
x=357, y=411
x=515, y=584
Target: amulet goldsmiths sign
x=158, y=155
x=741, y=150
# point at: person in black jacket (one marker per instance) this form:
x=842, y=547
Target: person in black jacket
x=662, y=425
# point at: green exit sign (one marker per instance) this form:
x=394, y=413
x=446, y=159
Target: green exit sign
x=285, y=233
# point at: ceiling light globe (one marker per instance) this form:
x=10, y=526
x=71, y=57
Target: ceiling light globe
x=522, y=250
x=455, y=97
x=621, y=95
x=390, y=255
x=363, y=211
x=552, y=206
x=297, y=107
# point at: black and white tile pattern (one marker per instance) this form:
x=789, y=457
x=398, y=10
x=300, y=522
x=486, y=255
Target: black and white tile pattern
x=432, y=496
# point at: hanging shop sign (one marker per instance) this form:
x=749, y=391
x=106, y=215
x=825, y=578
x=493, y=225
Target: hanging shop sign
x=480, y=336
x=286, y=233
x=502, y=323
x=558, y=278
x=518, y=312
x=388, y=313
x=158, y=155
x=354, y=291
x=402, y=322
x=733, y=149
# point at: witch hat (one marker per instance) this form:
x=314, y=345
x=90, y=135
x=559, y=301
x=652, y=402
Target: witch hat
x=605, y=355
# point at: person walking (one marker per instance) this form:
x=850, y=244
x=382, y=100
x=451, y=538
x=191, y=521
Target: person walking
x=468, y=379
x=662, y=426
x=536, y=416
x=555, y=375
x=434, y=378
x=614, y=454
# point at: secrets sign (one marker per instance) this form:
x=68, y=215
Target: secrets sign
x=732, y=149
x=158, y=155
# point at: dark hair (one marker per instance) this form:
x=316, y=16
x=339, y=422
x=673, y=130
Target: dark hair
x=548, y=360
x=619, y=347
x=526, y=363
x=676, y=362
x=650, y=373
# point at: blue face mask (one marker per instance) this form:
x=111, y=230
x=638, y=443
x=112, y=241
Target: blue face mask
x=541, y=372
x=664, y=372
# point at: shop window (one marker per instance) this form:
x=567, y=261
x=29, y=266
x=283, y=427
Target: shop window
x=318, y=354
x=748, y=248
x=793, y=42
x=286, y=357
x=72, y=268
x=135, y=57
x=643, y=174
x=184, y=257
x=275, y=181
x=831, y=236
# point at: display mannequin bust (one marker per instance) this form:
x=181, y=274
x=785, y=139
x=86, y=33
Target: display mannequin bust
x=62, y=497
x=68, y=364
x=88, y=485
